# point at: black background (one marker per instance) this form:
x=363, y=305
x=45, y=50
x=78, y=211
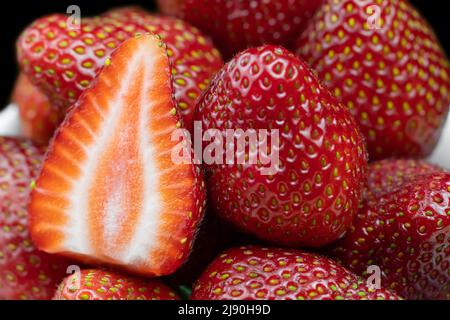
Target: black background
x=17, y=14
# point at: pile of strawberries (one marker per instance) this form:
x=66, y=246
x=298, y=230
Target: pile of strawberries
x=94, y=204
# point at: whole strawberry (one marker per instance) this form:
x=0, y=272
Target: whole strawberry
x=103, y=285
x=256, y=273
x=382, y=59
x=62, y=60
x=236, y=25
x=26, y=273
x=37, y=116
x=302, y=188
x=403, y=230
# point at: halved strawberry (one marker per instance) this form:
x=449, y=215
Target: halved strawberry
x=37, y=115
x=109, y=192
x=404, y=230
x=94, y=284
x=383, y=60
x=63, y=61
x=258, y=273
x=25, y=272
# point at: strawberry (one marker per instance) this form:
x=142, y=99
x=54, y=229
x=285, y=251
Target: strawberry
x=63, y=62
x=387, y=175
x=26, y=273
x=38, y=117
x=403, y=230
x=109, y=192
x=257, y=273
x=312, y=195
x=95, y=284
x=236, y=25
x=390, y=72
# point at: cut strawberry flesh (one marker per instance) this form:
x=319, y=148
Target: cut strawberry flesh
x=109, y=192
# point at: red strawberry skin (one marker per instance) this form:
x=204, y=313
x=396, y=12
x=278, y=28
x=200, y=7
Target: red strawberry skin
x=96, y=284
x=256, y=273
x=393, y=76
x=235, y=25
x=387, y=175
x=404, y=231
x=37, y=115
x=314, y=194
x=63, y=62
x=26, y=273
